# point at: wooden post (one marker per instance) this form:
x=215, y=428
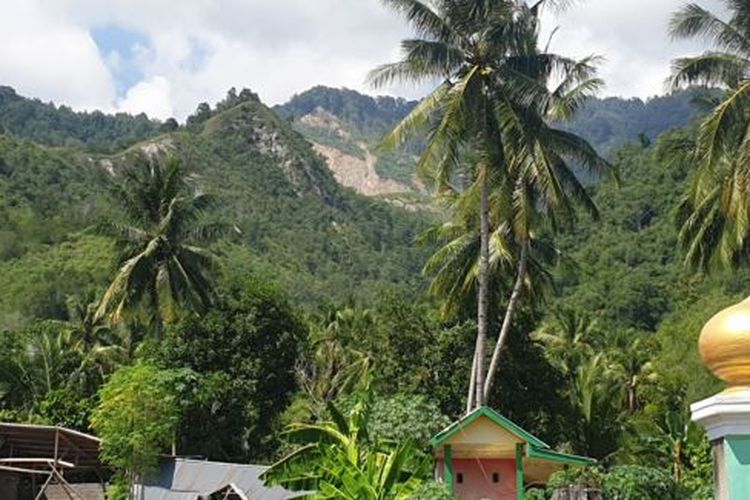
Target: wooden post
x=57, y=444
x=520, y=487
x=448, y=475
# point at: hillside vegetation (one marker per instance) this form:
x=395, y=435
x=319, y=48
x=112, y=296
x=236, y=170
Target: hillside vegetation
x=317, y=284
x=319, y=241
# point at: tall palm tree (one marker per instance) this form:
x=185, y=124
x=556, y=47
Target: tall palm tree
x=595, y=393
x=715, y=214
x=493, y=102
x=632, y=357
x=332, y=367
x=162, y=268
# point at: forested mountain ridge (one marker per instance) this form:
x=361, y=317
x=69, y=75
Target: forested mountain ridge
x=53, y=125
x=346, y=126
x=317, y=239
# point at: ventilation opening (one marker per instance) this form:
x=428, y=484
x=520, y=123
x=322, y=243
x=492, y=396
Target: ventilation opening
x=460, y=477
x=495, y=477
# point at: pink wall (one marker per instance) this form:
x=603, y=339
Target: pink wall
x=477, y=478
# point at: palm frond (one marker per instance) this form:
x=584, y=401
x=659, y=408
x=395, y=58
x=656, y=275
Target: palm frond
x=693, y=21
x=710, y=68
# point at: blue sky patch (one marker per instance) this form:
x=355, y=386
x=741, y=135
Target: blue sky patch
x=120, y=47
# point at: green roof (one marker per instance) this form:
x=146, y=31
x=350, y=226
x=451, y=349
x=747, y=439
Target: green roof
x=554, y=456
x=535, y=447
x=494, y=417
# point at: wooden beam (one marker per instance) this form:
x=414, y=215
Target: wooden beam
x=23, y=470
x=44, y=487
x=45, y=461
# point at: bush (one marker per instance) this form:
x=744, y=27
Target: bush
x=624, y=482
x=432, y=490
x=634, y=482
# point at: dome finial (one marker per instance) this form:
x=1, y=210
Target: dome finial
x=725, y=345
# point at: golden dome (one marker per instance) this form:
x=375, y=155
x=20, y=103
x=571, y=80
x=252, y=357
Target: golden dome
x=725, y=344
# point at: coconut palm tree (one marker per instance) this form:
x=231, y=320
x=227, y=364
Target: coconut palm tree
x=163, y=270
x=567, y=338
x=493, y=102
x=715, y=212
x=332, y=368
x=595, y=394
x=631, y=353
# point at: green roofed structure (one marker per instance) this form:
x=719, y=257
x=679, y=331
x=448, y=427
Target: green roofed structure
x=486, y=456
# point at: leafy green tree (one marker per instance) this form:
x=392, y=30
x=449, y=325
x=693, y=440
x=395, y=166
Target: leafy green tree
x=244, y=350
x=624, y=482
x=401, y=418
x=666, y=439
x=161, y=268
x=714, y=213
x=137, y=418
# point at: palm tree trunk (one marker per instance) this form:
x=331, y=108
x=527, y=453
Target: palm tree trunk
x=484, y=261
x=472, y=385
x=507, y=320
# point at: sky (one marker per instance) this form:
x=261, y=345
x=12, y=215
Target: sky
x=163, y=57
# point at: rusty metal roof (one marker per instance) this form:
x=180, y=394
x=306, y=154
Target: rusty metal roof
x=24, y=441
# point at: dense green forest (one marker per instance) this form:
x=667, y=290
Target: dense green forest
x=211, y=284
x=343, y=273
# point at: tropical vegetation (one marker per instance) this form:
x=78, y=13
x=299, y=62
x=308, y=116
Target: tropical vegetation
x=209, y=289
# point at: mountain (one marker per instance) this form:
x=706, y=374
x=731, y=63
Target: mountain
x=346, y=127
x=53, y=125
x=318, y=240
x=612, y=122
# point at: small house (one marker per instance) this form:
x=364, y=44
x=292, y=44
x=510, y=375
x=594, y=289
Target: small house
x=486, y=456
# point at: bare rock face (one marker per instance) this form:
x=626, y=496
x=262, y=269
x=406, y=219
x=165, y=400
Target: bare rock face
x=358, y=173
x=320, y=118
x=155, y=148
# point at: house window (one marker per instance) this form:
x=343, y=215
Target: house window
x=460, y=478
x=495, y=477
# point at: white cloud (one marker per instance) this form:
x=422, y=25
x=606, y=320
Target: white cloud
x=631, y=35
x=43, y=57
x=200, y=48
x=153, y=96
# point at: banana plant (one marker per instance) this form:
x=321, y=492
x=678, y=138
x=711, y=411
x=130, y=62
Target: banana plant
x=338, y=460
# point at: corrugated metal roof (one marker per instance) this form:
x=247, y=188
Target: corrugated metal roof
x=185, y=479
x=38, y=441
